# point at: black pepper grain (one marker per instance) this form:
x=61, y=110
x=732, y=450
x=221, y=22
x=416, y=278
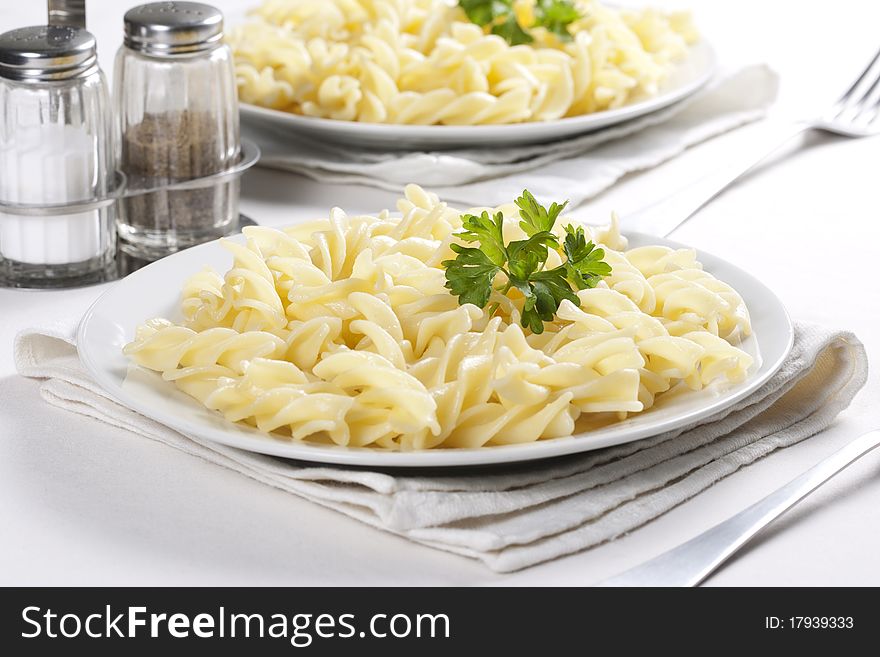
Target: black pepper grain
x=170, y=148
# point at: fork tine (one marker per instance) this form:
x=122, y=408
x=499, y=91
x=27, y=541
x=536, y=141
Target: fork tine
x=869, y=102
x=870, y=115
x=845, y=97
x=863, y=98
x=852, y=105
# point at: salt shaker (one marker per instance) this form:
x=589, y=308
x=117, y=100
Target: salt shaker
x=57, y=158
x=178, y=117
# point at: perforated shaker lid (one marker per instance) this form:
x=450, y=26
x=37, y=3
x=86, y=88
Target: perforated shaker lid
x=173, y=28
x=43, y=53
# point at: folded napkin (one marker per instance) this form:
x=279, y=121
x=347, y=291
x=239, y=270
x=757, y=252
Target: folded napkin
x=583, y=166
x=514, y=516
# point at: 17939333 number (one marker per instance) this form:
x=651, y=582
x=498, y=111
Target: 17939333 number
x=809, y=623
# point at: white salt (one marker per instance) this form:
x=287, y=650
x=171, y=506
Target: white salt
x=48, y=164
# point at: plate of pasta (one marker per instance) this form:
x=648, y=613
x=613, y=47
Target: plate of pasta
x=434, y=337
x=443, y=74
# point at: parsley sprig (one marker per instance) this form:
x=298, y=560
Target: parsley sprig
x=556, y=16
x=471, y=275
x=501, y=18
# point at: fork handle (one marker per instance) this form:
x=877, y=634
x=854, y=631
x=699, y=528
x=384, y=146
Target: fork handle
x=690, y=563
x=665, y=216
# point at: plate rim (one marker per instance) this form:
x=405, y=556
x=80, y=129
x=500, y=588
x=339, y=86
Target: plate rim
x=431, y=458
x=567, y=126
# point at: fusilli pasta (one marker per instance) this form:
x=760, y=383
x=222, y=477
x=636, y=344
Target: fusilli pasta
x=422, y=62
x=342, y=330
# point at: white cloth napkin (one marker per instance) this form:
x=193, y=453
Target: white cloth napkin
x=515, y=516
x=582, y=166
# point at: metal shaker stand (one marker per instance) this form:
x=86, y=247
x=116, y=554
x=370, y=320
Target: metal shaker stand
x=125, y=263
x=73, y=13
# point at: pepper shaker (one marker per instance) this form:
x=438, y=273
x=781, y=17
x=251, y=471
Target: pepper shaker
x=57, y=158
x=178, y=118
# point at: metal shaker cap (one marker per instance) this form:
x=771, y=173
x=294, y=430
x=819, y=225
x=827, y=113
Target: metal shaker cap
x=173, y=28
x=44, y=53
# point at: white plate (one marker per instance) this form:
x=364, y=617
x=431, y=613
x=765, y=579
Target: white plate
x=688, y=77
x=153, y=292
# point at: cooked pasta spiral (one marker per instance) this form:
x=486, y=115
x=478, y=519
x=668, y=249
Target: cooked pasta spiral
x=422, y=62
x=342, y=330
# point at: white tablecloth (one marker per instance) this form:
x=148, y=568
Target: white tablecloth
x=154, y=516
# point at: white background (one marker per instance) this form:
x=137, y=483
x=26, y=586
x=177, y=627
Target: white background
x=83, y=503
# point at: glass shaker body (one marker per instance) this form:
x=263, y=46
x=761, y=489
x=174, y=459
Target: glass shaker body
x=178, y=121
x=56, y=149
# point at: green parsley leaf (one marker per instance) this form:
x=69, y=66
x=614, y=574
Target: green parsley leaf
x=556, y=16
x=548, y=289
x=470, y=275
x=528, y=256
x=511, y=31
x=531, y=317
x=536, y=217
x=555, y=282
x=487, y=230
x=584, y=266
x=481, y=12
x=553, y=15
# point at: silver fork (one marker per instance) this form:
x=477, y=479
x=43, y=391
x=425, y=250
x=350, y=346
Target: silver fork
x=690, y=563
x=855, y=114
